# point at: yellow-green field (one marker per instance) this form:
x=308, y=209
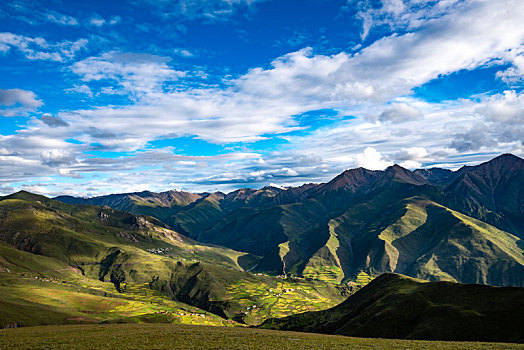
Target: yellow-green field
x=34, y=300
x=38, y=290
x=261, y=301
x=161, y=336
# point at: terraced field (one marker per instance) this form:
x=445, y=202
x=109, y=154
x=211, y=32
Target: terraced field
x=61, y=294
x=261, y=301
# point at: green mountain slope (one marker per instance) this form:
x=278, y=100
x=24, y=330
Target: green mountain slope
x=423, y=239
x=38, y=290
x=394, y=306
x=159, y=205
x=124, y=255
x=463, y=226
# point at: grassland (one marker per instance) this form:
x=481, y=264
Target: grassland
x=76, y=263
x=39, y=290
x=149, y=336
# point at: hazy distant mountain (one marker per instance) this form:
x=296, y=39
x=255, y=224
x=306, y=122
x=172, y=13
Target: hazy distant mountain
x=434, y=224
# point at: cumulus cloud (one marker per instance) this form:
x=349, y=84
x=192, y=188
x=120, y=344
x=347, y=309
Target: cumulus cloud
x=410, y=164
x=137, y=73
x=55, y=157
x=17, y=102
x=505, y=108
x=411, y=154
x=372, y=159
x=498, y=121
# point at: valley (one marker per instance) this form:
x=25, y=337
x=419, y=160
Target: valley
x=315, y=258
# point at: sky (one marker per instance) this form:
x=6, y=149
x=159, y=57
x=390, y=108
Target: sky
x=101, y=97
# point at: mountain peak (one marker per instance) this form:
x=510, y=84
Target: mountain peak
x=506, y=159
x=27, y=196
x=351, y=180
x=398, y=173
x=508, y=156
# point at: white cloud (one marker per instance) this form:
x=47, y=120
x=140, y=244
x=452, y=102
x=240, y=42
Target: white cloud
x=97, y=21
x=411, y=154
x=39, y=49
x=37, y=189
x=410, y=164
x=372, y=159
x=60, y=18
x=209, y=10
x=138, y=74
x=115, y=20
x=17, y=102
x=183, y=52
x=397, y=14
x=80, y=89
x=505, y=108
x=54, y=157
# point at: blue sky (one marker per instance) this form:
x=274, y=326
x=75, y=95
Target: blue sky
x=102, y=97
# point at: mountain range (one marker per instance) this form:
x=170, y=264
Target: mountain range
x=434, y=224
x=254, y=255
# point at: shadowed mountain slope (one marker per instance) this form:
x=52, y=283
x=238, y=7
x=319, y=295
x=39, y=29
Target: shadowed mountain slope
x=463, y=226
x=102, y=246
x=492, y=192
x=395, y=306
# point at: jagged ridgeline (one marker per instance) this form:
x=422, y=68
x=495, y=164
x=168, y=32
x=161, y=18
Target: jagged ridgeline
x=435, y=224
x=64, y=263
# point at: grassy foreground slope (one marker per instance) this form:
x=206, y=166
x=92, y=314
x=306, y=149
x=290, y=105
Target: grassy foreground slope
x=201, y=337
x=395, y=306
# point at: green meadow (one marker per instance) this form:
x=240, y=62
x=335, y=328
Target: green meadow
x=161, y=336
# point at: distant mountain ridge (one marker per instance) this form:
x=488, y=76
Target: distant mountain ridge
x=464, y=226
